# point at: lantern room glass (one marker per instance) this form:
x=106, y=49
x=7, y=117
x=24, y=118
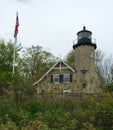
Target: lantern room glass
x=84, y=35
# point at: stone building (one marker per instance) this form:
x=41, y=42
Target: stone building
x=83, y=78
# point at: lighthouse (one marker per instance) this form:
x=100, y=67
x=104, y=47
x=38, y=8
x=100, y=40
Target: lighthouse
x=86, y=77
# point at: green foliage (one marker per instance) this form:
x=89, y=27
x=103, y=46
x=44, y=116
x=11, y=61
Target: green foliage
x=104, y=112
x=9, y=125
x=70, y=58
x=5, y=81
x=6, y=56
x=108, y=87
x=33, y=107
x=35, y=125
x=86, y=113
x=35, y=62
x=6, y=61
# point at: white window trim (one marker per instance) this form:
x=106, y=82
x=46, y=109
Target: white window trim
x=66, y=77
x=56, y=76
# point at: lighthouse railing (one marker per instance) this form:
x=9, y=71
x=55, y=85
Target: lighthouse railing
x=93, y=40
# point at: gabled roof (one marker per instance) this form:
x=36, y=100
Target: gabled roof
x=54, y=67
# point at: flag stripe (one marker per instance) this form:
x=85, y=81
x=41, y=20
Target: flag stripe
x=16, y=26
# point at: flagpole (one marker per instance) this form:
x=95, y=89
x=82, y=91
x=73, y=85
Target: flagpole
x=15, y=42
x=14, y=55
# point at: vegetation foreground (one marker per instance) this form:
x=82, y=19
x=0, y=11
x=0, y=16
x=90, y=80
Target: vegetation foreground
x=54, y=113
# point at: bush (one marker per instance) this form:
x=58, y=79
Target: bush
x=108, y=87
x=90, y=113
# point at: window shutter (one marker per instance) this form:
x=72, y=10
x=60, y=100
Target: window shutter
x=51, y=79
x=61, y=77
x=70, y=77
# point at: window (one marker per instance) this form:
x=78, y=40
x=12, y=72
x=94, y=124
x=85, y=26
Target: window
x=91, y=54
x=66, y=90
x=66, y=78
x=83, y=85
x=56, y=78
x=84, y=35
x=61, y=78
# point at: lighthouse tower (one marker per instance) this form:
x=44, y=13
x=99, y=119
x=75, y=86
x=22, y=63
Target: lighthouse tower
x=86, y=77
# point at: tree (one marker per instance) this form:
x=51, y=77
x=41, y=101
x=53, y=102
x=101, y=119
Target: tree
x=6, y=61
x=35, y=62
x=6, y=52
x=70, y=58
x=6, y=55
x=104, y=66
x=99, y=58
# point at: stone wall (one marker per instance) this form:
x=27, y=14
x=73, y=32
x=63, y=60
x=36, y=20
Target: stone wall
x=49, y=86
x=87, y=79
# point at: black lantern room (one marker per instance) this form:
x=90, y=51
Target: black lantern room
x=84, y=37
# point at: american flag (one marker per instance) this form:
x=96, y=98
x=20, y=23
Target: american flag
x=16, y=26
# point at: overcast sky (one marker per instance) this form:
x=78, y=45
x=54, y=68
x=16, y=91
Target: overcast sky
x=53, y=24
